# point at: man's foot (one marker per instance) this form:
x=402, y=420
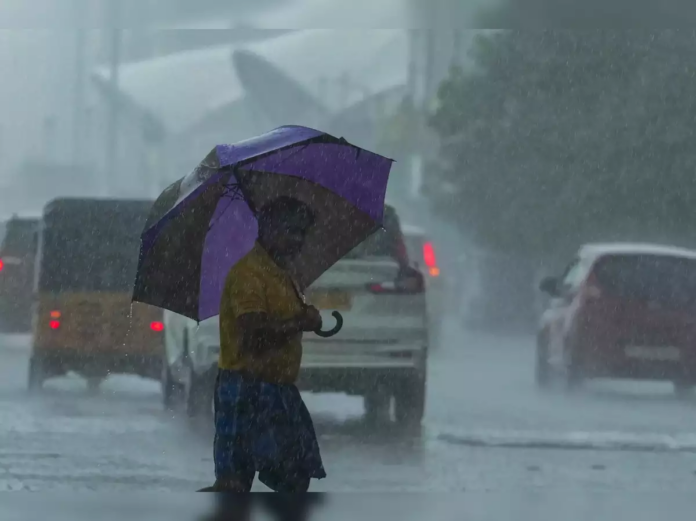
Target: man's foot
x=228, y=485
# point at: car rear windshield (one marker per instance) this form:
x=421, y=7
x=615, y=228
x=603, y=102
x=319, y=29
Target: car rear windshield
x=384, y=243
x=670, y=281
x=91, y=249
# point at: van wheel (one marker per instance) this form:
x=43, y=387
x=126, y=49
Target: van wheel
x=94, y=384
x=409, y=401
x=37, y=375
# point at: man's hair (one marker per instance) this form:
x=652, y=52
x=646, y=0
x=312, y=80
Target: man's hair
x=283, y=208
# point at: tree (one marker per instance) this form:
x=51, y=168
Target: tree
x=565, y=137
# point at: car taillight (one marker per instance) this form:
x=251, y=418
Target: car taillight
x=430, y=259
x=54, y=324
x=387, y=287
x=157, y=326
x=2, y=265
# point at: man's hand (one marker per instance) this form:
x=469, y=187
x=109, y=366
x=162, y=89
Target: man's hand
x=310, y=320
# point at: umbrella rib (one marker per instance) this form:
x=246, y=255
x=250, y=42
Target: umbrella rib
x=232, y=193
x=299, y=148
x=299, y=178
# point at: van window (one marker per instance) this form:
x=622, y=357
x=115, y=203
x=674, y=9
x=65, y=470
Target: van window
x=91, y=247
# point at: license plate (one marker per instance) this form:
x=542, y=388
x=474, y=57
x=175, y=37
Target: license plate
x=338, y=300
x=669, y=354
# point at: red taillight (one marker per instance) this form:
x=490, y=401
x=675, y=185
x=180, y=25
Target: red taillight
x=2, y=265
x=429, y=255
x=54, y=324
x=157, y=326
x=430, y=259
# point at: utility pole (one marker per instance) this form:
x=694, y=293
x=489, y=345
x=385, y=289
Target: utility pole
x=112, y=134
x=79, y=100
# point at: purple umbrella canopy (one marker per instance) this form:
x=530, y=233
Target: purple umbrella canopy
x=203, y=224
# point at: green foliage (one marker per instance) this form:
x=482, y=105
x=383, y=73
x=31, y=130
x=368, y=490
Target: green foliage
x=564, y=137
x=397, y=132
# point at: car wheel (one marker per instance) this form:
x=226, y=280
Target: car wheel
x=377, y=404
x=542, y=368
x=574, y=374
x=199, y=395
x=409, y=401
x=37, y=375
x=172, y=391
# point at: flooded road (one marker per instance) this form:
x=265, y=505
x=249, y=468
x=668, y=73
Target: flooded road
x=487, y=430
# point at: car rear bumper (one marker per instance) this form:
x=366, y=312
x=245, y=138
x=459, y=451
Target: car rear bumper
x=354, y=380
x=328, y=370
x=623, y=367
x=613, y=362
x=96, y=363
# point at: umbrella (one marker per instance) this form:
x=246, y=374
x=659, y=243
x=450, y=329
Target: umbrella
x=200, y=226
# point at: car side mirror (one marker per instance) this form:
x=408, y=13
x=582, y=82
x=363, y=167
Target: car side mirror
x=549, y=285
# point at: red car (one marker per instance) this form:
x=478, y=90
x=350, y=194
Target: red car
x=621, y=311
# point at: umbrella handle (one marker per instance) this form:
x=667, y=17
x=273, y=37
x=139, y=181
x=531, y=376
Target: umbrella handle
x=335, y=329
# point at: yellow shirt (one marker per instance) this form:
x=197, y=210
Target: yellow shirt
x=256, y=284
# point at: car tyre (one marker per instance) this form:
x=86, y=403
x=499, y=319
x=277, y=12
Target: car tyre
x=199, y=395
x=542, y=367
x=37, y=375
x=172, y=391
x=409, y=401
x=94, y=384
x=574, y=375
x=377, y=404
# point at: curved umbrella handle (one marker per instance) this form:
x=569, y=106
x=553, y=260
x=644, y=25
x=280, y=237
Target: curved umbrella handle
x=335, y=329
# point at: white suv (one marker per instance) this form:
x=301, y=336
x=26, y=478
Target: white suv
x=380, y=353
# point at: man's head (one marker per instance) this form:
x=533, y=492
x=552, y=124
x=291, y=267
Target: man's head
x=283, y=225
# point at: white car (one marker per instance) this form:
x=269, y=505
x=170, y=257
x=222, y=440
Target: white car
x=380, y=353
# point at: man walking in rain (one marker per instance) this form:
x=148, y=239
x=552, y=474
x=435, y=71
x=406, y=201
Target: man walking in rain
x=261, y=422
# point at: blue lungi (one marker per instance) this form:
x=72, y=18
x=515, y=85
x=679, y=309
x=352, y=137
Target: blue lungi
x=265, y=428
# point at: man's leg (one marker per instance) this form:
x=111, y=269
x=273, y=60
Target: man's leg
x=234, y=469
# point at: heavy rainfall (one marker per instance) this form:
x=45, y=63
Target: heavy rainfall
x=541, y=196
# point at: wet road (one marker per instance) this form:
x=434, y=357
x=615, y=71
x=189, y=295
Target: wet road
x=488, y=430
